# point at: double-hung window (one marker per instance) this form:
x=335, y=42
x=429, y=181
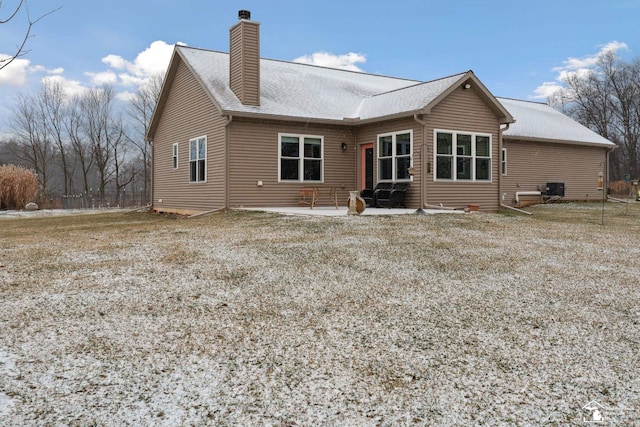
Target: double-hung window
x=462, y=156
x=395, y=151
x=198, y=159
x=300, y=158
x=175, y=156
x=503, y=163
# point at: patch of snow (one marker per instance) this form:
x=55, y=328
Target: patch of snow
x=7, y=369
x=8, y=214
x=537, y=120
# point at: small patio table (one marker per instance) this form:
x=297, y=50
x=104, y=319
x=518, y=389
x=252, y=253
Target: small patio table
x=309, y=195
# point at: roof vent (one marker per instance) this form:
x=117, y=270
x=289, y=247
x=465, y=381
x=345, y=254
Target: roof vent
x=244, y=14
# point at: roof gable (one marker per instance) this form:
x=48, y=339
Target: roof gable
x=293, y=91
x=306, y=92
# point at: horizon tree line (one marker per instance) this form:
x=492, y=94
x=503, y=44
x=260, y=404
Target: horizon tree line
x=89, y=144
x=606, y=99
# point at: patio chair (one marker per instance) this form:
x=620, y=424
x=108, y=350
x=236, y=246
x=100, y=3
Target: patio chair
x=393, y=197
x=369, y=194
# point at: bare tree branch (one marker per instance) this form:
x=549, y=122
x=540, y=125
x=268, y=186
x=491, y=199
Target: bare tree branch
x=20, y=50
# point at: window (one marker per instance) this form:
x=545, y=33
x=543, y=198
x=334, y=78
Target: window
x=300, y=158
x=462, y=156
x=197, y=159
x=503, y=164
x=175, y=156
x=395, y=152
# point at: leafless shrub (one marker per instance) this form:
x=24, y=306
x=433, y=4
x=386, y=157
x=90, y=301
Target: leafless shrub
x=18, y=186
x=620, y=188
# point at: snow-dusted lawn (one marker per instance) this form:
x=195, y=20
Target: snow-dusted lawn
x=259, y=319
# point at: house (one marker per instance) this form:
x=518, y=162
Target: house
x=545, y=146
x=237, y=130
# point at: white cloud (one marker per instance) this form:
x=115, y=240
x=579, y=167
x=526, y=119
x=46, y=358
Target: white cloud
x=547, y=90
x=325, y=59
x=14, y=74
x=125, y=96
x=70, y=87
x=115, y=61
x=105, y=77
x=17, y=72
x=580, y=67
x=153, y=60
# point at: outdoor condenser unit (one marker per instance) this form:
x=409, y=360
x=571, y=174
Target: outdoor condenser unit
x=555, y=189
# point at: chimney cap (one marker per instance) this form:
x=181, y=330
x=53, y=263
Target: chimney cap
x=244, y=14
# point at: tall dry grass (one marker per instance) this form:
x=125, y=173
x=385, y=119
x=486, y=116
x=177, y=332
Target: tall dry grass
x=621, y=188
x=18, y=186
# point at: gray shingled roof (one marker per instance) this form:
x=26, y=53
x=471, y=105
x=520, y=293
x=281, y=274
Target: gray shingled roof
x=300, y=90
x=537, y=121
x=305, y=91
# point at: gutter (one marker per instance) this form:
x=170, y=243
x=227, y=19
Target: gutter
x=153, y=156
x=500, y=147
x=610, y=146
x=354, y=121
x=423, y=164
x=226, y=157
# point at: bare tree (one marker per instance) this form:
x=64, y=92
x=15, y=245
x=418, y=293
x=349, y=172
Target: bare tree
x=141, y=108
x=607, y=100
x=20, y=50
x=53, y=102
x=33, y=145
x=80, y=144
x=96, y=106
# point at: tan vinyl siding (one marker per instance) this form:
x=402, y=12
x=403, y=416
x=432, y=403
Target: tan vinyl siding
x=188, y=114
x=464, y=110
x=244, y=59
x=530, y=165
x=253, y=157
x=369, y=134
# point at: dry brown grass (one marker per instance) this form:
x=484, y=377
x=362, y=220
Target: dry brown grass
x=18, y=186
x=621, y=188
x=258, y=319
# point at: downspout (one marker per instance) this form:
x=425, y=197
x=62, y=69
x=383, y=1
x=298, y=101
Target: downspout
x=226, y=165
x=423, y=165
x=151, y=172
x=358, y=161
x=500, y=145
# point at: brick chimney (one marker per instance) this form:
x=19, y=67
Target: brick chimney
x=244, y=59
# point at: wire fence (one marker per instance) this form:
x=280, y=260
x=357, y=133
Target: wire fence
x=94, y=201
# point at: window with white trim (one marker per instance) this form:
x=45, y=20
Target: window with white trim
x=300, y=158
x=395, y=156
x=503, y=162
x=462, y=156
x=175, y=156
x=198, y=159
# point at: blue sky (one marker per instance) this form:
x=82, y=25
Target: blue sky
x=519, y=49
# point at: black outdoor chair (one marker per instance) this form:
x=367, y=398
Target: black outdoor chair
x=391, y=197
x=369, y=194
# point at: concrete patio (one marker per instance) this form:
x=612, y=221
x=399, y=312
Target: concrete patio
x=342, y=211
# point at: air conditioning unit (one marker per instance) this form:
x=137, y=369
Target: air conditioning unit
x=555, y=189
